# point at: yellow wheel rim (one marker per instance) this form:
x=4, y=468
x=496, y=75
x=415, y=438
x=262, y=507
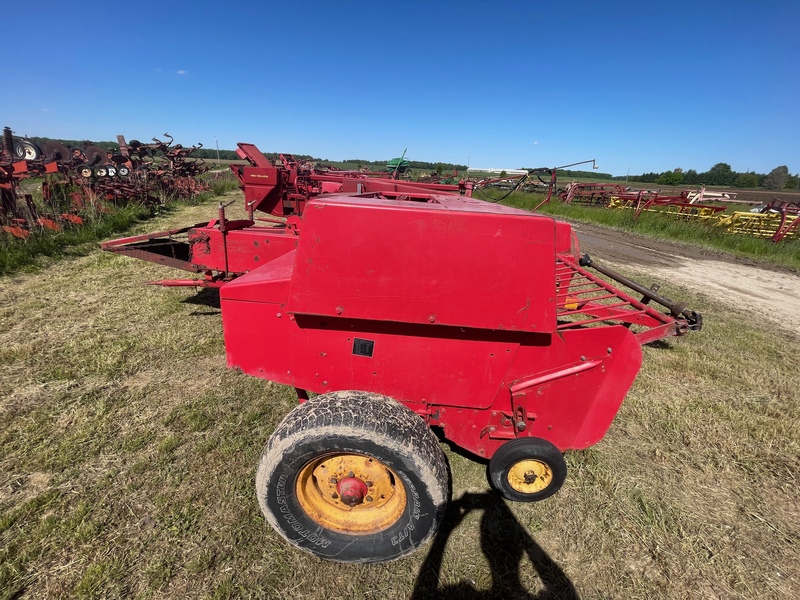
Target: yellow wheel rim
x=530, y=476
x=320, y=482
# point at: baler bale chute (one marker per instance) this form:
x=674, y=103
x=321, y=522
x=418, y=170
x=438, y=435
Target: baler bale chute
x=401, y=315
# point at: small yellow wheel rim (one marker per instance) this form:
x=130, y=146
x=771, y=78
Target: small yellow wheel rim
x=383, y=504
x=530, y=476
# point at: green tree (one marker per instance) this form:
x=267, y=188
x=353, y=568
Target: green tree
x=777, y=178
x=690, y=177
x=649, y=177
x=720, y=174
x=746, y=180
x=670, y=178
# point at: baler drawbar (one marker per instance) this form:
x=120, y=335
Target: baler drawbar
x=399, y=312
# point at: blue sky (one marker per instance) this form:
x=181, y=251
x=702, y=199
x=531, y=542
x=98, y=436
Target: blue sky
x=645, y=86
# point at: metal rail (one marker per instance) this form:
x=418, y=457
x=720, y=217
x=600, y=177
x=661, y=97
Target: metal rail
x=583, y=299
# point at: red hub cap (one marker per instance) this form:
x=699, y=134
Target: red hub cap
x=351, y=490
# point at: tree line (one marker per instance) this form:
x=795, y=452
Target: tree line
x=439, y=167
x=721, y=174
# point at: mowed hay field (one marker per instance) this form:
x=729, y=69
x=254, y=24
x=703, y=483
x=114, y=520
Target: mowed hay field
x=128, y=455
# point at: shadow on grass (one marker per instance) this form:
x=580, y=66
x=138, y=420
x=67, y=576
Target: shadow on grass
x=660, y=345
x=208, y=297
x=505, y=543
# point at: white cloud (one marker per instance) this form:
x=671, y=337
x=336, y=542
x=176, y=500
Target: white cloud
x=45, y=110
x=181, y=72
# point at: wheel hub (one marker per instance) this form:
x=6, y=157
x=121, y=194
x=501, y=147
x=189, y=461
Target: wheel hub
x=530, y=476
x=352, y=490
x=351, y=493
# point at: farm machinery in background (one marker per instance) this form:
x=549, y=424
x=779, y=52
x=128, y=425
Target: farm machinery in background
x=776, y=220
x=401, y=310
x=89, y=178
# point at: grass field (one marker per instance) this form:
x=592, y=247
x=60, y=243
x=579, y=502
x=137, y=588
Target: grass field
x=129, y=452
x=785, y=253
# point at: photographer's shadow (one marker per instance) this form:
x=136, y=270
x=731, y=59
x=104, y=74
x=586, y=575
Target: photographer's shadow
x=505, y=543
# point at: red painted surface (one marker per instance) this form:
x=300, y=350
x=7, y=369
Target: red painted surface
x=449, y=306
x=352, y=490
x=477, y=316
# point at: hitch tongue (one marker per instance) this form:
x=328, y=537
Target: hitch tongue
x=676, y=309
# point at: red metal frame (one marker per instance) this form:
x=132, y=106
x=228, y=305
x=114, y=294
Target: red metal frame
x=423, y=304
x=483, y=319
x=790, y=217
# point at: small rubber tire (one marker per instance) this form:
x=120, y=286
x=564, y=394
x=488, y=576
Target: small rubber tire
x=535, y=458
x=358, y=427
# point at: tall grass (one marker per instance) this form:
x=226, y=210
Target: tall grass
x=17, y=254
x=222, y=185
x=785, y=253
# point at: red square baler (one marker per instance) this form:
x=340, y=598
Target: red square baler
x=404, y=316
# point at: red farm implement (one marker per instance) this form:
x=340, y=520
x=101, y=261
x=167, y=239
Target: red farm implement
x=19, y=215
x=399, y=312
x=776, y=221
x=679, y=206
x=89, y=179
x=686, y=205
x=591, y=193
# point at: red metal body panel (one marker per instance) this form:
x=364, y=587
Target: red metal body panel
x=448, y=306
x=245, y=249
x=261, y=191
x=442, y=263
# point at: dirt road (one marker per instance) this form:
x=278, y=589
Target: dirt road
x=770, y=292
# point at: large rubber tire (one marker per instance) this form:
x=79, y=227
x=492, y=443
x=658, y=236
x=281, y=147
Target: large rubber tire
x=527, y=470
x=26, y=149
x=353, y=437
